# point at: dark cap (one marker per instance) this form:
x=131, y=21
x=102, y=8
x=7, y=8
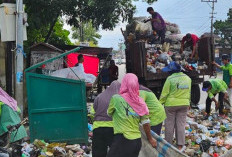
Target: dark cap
x=225, y=57
x=206, y=85
x=150, y=9
x=188, y=36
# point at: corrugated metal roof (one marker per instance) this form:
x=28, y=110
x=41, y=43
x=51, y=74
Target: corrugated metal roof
x=46, y=45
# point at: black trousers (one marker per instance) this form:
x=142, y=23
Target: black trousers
x=161, y=34
x=209, y=101
x=122, y=147
x=188, y=44
x=157, y=128
x=102, y=139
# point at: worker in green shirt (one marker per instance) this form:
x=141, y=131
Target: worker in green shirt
x=227, y=74
x=156, y=110
x=128, y=110
x=103, y=126
x=176, y=98
x=213, y=87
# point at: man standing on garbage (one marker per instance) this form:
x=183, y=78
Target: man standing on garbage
x=227, y=74
x=189, y=40
x=213, y=87
x=176, y=98
x=157, y=23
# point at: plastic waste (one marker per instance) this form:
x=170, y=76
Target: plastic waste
x=205, y=155
x=198, y=141
x=4, y=155
x=90, y=127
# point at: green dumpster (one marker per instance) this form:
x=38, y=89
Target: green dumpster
x=56, y=106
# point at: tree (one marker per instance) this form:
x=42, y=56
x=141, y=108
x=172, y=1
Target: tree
x=44, y=14
x=224, y=30
x=58, y=37
x=100, y=12
x=7, y=1
x=89, y=33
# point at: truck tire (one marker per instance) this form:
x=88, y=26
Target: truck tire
x=195, y=94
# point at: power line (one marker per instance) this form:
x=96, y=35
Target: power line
x=179, y=5
x=203, y=25
x=188, y=17
x=212, y=13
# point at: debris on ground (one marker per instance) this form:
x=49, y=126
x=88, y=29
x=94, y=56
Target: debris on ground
x=211, y=137
x=42, y=149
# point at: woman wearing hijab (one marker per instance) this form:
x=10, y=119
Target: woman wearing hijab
x=9, y=115
x=128, y=110
x=103, y=126
x=156, y=110
x=176, y=98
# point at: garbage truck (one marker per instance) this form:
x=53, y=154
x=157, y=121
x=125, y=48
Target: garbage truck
x=143, y=59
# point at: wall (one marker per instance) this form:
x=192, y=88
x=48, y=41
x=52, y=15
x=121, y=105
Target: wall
x=39, y=56
x=2, y=65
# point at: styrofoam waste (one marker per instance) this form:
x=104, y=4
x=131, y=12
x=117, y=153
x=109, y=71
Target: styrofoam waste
x=151, y=69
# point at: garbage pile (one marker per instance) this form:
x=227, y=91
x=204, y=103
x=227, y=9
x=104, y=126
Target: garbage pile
x=140, y=31
x=39, y=148
x=158, y=60
x=208, y=138
x=159, y=56
x=42, y=149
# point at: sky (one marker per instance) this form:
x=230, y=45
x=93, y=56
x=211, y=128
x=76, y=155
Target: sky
x=192, y=16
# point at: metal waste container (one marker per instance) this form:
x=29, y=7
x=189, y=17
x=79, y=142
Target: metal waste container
x=56, y=106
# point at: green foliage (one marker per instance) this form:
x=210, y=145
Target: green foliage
x=224, y=30
x=7, y=1
x=90, y=33
x=101, y=12
x=58, y=36
x=43, y=14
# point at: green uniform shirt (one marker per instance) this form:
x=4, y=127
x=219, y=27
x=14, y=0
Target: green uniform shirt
x=218, y=86
x=125, y=119
x=227, y=73
x=98, y=124
x=176, y=90
x=156, y=110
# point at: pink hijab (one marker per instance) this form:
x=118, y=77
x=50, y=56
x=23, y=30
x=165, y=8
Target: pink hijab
x=8, y=100
x=130, y=92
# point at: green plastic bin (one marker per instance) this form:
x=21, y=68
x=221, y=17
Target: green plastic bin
x=56, y=106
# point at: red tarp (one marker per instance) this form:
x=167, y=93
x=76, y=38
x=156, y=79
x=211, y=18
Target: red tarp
x=90, y=63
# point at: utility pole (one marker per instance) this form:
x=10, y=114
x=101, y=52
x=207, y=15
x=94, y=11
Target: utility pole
x=19, y=53
x=212, y=17
x=212, y=48
x=212, y=13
